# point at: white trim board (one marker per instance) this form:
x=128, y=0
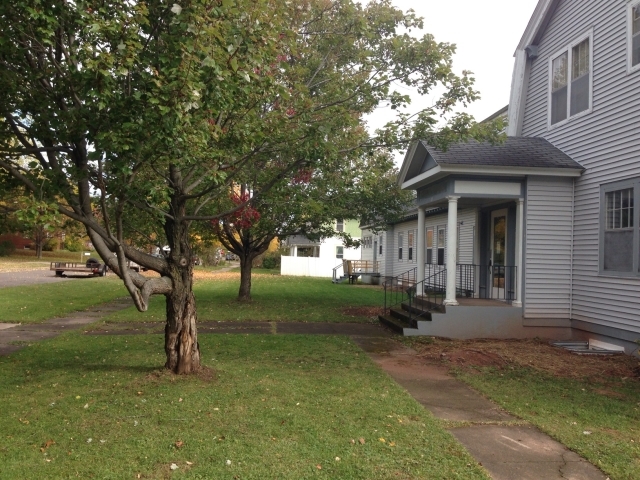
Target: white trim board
x=487, y=188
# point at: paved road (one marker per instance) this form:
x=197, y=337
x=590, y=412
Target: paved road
x=31, y=277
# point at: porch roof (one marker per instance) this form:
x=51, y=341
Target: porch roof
x=516, y=156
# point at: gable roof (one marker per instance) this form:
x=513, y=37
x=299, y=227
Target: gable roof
x=517, y=156
x=514, y=152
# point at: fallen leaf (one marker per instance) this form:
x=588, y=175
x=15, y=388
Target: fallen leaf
x=392, y=444
x=174, y=466
x=189, y=463
x=319, y=467
x=382, y=440
x=179, y=399
x=353, y=441
x=361, y=440
x=586, y=432
x=46, y=445
x=337, y=459
x=179, y=444
x=86, y=405
x=228, y=462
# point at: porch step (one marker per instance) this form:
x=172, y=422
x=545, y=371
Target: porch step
x=340, y=280
x=394, y=323
x=424, y=311
x=402, y=315
x=424, y=304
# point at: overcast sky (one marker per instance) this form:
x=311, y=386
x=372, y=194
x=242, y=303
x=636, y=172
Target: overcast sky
x=486, y=34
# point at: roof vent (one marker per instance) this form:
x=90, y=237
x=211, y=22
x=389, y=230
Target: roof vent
x=532, y=51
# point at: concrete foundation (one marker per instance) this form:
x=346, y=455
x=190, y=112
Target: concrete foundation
x=467, y=322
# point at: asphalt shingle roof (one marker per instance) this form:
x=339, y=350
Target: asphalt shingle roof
x=514, y=152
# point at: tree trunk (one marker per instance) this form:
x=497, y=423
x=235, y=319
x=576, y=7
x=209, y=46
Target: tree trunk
x=39, y=240
x=244, y=294
x=181, y=334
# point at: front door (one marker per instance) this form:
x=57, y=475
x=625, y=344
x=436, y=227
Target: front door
x=498, y=255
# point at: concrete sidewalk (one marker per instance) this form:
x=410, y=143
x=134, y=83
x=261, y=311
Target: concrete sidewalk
x=509, y=449
x=15, y=336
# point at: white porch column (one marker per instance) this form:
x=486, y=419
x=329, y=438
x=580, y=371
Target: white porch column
x=519, y=249
x=421, y=245
x=452, y=249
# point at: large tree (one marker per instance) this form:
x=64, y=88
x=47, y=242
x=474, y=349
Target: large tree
x=364, y=188
x=148, y=112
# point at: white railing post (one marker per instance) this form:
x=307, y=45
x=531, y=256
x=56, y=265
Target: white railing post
x=452, y=248
x=519, y=249
x=421, y=246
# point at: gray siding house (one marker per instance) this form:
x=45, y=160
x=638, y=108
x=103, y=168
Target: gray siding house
x=540, y=235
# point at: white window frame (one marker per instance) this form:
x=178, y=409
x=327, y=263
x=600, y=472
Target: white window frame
x=569, y=51
x=400, y=244
x=339, y=225
x=339, y=256
x=630, y=67
x=633, y=183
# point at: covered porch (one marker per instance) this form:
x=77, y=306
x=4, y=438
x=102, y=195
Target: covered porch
x=471, y=233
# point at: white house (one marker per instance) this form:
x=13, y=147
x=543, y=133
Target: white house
x=540, y=235
x=318, y=258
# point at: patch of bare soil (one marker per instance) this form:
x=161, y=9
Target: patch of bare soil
x=204, y=374
x=363, y=311
x=533, y=353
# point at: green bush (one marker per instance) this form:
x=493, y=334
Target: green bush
x=50, y=245
x=271, y=260
x=73, y=244
x=6, y=248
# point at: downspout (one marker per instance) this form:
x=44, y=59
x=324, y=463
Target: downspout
x=573, y=215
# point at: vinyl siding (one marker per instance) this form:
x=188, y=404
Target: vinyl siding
x=393, y=267
x=548, y=248
x=605, y=142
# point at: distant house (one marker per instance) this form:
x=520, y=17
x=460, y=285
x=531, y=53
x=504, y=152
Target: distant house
x=539, y=236
x=319, y=258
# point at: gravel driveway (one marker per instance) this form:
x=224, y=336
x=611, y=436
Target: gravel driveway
x=30, y=277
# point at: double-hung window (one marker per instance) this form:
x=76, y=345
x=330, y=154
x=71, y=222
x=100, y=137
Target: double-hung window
x=620, y=234
x=339, y=225
x=633, y=48
x=400, y=240
x=340, y=252
x=429, y=240
x=570, y=81
x=410, y=236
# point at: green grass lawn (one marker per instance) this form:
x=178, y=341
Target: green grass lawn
x=597, y=418
x=287, y=407
x=275, y=298
x=36, y=303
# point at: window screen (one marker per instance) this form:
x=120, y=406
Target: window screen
x=580, y=77
x=618, y=235
x=559, y=88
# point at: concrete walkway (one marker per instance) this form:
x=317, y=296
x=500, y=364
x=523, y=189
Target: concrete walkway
x=507, y=448
x=14, y=336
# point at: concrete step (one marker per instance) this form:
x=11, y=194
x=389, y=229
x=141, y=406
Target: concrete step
x=419, y=312
x=393, y=323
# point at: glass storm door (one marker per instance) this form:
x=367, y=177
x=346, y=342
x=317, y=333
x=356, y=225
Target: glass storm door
x=498, y=256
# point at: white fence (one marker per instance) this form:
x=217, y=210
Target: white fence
x=308, y=266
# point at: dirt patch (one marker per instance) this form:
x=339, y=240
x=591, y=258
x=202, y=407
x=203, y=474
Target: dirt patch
x=363, y=311
x=204, y=375
x=533, y=353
